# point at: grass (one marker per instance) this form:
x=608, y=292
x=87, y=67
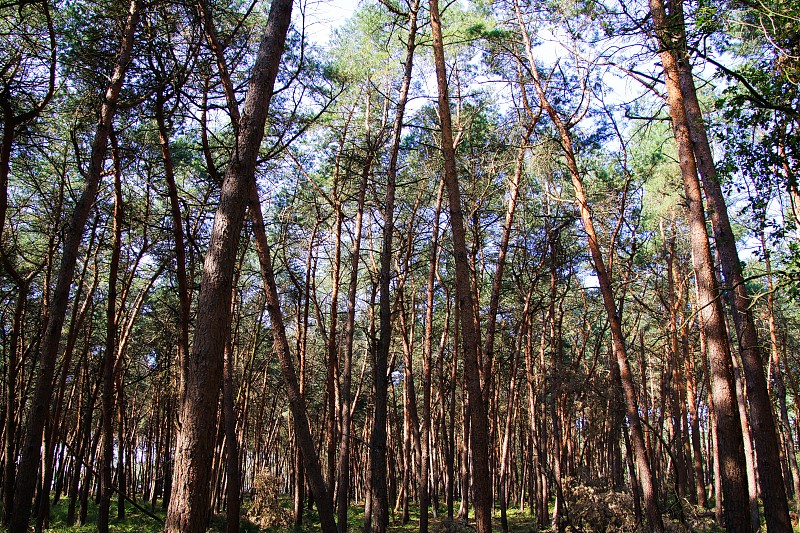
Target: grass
x=138, y=522
x=135, y=520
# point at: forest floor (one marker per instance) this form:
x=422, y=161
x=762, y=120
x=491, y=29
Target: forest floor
x=138, y=522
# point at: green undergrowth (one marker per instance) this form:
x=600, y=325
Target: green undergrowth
x=135, y=520
x=138, y=522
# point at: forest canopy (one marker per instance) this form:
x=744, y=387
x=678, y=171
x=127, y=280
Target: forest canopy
x=487, y=265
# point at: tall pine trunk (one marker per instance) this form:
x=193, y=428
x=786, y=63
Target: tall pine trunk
x=478, y=424
x=379, y=500
x=51, y=336
x=189, y=510
x=425, y=432
x=728, y=424
x=343, y=466
x=109, y=358
x=765, y=433
x=643, y=467
x=297, y=407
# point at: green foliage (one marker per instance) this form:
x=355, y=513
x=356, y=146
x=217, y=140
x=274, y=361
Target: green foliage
x=135, y=520
x=363, y=46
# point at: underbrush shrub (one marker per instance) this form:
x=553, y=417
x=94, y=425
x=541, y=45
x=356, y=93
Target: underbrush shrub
x=266, y=510
x=592, y=507
x=694, y=519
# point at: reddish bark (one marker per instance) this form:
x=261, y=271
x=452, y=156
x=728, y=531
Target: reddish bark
x=478, y=424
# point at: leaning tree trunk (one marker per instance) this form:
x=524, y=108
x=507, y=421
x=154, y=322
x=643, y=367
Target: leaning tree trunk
x=40, y=403
x=731, y=448
x=765, y=434
x=189, y=510
x=297, y=407
x=479, y=434
x=643, y=467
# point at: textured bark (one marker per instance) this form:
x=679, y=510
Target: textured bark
x=479, y=433
x=109, y=357
x=379, y=500
x=773, y=492
x=776, y=510
x=189, y=510
x=51, y=336
x=731, y=449
x=714, y=432
x=412, y=450
x=607, y=292
x=297, y=406
x=6, y=144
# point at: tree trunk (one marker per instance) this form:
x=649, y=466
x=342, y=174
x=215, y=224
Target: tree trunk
x=674, y=378
x=302, y=338
x=122, y=479
x=780, y=385
x=508, y=426
x=379, y=500
x=604, y=278
x=694, y=424
x=776, y=508
x=188, y=511
x=425, y=433
x=231, y=444
x=13, y=368
x=40, y=404
x=296, y=403
x=479, y=433
x=343, y=467
x=110, y=353
x=741, y=402
x=177, y=236
x=732, y=460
